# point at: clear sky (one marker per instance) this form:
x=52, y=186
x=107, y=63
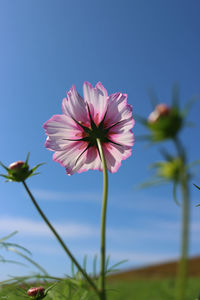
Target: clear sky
x=130, y=46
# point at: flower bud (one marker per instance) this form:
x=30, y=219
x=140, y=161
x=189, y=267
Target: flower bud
x=163, y=109
x=19, y=170
x=36, y=292
x=16, y=165
x=164, y=122
x=160, y=111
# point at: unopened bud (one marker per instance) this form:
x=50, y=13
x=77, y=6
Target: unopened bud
x=36, y=292
x=16, y=165
x=163, y=109
x=160, y=111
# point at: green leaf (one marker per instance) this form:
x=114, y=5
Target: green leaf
x=7, y=177
x=28, y=259
x=188, y=106
x=7, y=245
x=2, y=260
x=166, y=154
x=85, y=263
x=152, y=182
x=194, y=163
x=113, y=267
x=37, y=166
x=1, y=164
x=196, y=187
x=95, y=266
x=8, y=236
x=27, y=158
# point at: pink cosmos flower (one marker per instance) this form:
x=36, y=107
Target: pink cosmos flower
x=73, y=134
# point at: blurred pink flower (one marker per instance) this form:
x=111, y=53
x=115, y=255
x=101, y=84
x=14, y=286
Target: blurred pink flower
x=73, y=134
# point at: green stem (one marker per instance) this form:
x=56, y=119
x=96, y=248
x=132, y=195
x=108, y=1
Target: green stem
x=60, y=240
x=103, y=222
x=182, y=269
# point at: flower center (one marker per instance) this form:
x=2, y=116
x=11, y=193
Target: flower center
x=96, y=133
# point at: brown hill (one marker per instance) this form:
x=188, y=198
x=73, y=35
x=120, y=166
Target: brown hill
x=167, y=269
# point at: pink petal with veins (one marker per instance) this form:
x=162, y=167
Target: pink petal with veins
x=97, y=100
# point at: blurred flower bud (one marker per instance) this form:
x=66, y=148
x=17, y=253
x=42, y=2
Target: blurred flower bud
x=19, y=171
x=36, y=293
x=160, y=111
x=164, y=122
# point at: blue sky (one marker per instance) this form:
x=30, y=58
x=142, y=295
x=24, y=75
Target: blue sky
x=130, y=46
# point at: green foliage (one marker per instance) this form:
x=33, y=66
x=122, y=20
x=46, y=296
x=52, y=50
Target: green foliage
x=20, y=251
x=139, y=289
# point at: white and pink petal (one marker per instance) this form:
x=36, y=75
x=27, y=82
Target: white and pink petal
x=114, y=154
x=74, y=106
x=96, y=99
x=72, y=157
x=125, y=138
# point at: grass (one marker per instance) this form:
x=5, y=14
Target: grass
x=136, y=289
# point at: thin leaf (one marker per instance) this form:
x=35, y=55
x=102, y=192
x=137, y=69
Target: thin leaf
x=194, y=163
x=95, y=266
x=152, y=182
x=1, y=164
x=166, y=154
x=107, y=262
x=8, y=236
x=6, y=176
x=7, y=245
x=188, y=106
x=37, y=166
x=27, y=158
x=196, y=187
x=50, y=287
x=16, y=279
x=113, y=267
x=85, y=262
x=2, y=260
x=28, y=259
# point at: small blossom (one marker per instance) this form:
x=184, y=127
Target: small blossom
x=73, y=135
x=19, y=170
x=36, y=293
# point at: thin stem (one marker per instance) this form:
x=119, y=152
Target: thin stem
x=103, y=222
x=182, y=269
x=59, y=239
